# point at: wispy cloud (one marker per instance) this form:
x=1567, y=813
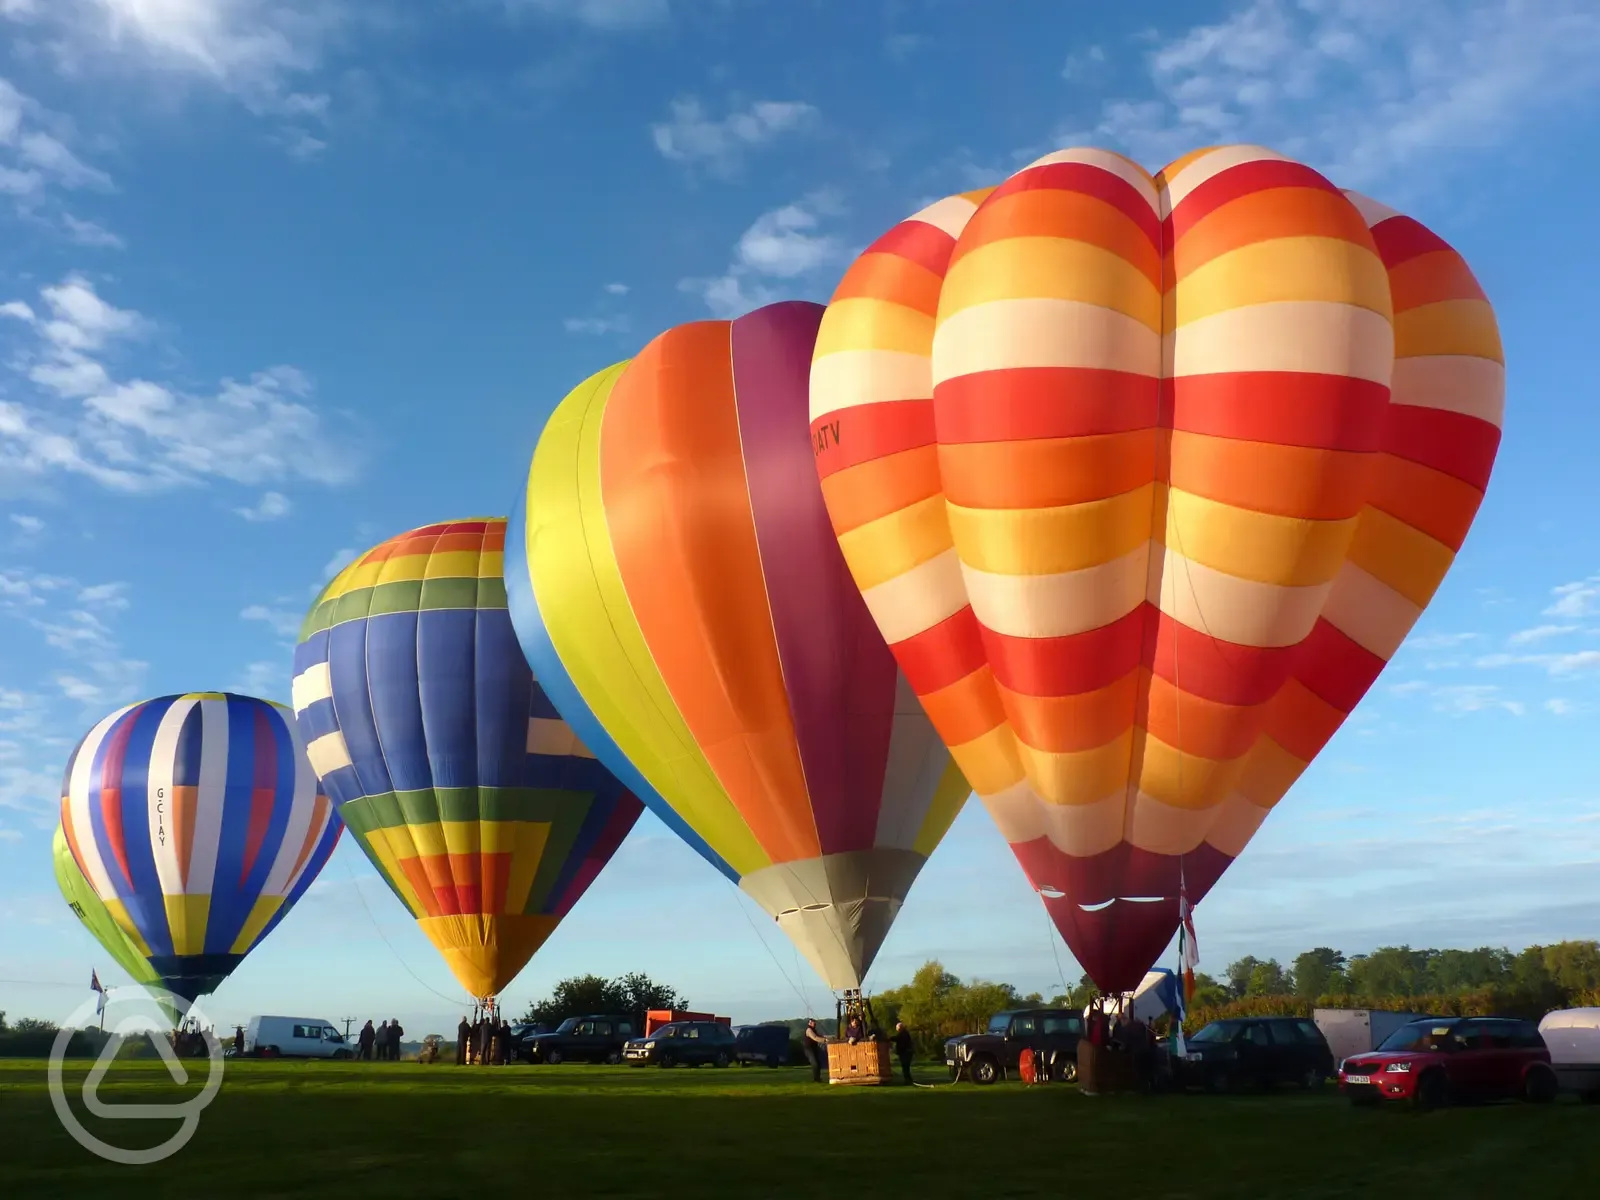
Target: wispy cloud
x=132, y=434
x=285, y=622
x=266, y=680
x=270, y=507
x=1539, y=633
x=90, y=233
x=691, y=135
x=595, y=325
x=1367, y=90
x=1581, y=598
x=27, y=523
x=612, y=15
x=786, y=244
x=35, y=159
x=1473, y=698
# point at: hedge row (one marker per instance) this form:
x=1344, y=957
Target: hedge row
x=1530, y=1004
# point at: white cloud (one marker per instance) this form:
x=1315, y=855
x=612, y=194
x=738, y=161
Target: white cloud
x=341, y=559
x=1082, y=65
x=1558, y=707
x=1556, y=664
x=694, y=136
x=133, y=434
x=617, y=289
x=595, y=325
x=1578, y=599
x=34, y=157
x=1539, y=633
x=1439, y=641
x=284, y=622
x=268, y=680
x=26, y=523
x=597, y=14
x=785, y=244
x=252, y=49
x=1472, y=698
x=1367, y=90
x=270, y=507
x=90, y=233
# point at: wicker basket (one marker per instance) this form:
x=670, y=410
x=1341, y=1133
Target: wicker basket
x=864, y=1062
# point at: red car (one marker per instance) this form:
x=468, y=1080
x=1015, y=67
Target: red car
x=1431, y=1063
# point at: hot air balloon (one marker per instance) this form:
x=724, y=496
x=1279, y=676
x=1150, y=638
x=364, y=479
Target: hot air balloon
x=454, y=773
x=674, y=581
x=197, y=822
x=92, y=911
x=1145, y=480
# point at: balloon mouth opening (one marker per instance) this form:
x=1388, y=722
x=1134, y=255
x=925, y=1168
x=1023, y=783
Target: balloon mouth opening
x=1053, y=893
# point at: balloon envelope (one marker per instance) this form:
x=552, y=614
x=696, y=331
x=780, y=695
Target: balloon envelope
x=674, y=580
x=197, y=822
x=1145, y=480
x=91, y=910
x=477, y=804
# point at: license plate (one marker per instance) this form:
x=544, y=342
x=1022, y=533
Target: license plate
x=949, y=1062
x=1358, y=1078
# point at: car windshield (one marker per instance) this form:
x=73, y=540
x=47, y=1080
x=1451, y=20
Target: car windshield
x=1000, y=1023
x=1217, y=1031
x=1419, y=1035
x=568, y=1025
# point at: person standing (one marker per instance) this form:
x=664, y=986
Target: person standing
x=395, y=1034
x=816, y=1049
x=380, y=1041
x=505, y=1042
x=904, y=1049
x=364, y=1040
x=463, y=1032
x=238, y=1041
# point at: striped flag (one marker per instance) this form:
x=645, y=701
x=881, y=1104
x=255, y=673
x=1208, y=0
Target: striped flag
x=94, y=986
x=1188, y=948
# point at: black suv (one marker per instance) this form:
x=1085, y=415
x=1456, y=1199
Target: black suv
x=585, y=1039
x=990, y=1056
x=690, y=1043
x=1258, y=1051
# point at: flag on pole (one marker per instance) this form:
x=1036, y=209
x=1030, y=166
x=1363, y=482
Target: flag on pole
x=94, y=986
x=1188, y=948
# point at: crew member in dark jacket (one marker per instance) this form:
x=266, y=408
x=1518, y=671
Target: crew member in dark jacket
x=463, y=1032
x=904, y=1049
x=364, y=1040
x=394, y=1039
x=816, y=1049
x=505, y=1043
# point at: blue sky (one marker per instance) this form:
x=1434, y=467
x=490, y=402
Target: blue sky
x=283, y=277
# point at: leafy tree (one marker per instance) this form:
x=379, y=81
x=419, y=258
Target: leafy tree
x=1469, y=970
x=1239, y=974
x=1208, y=992
x=1573, y=966
x=581, y=995
x=1390, y=971
x=1267, y=979
x=1319, y=972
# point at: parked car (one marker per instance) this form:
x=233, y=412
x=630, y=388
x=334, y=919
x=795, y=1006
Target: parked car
x=761, y=1044
x=583, y=1039
x=1572, y=1035
x=1256, y=1051
x=1430, y=1063
x=1360, y=1030
x=990, y=1056
x=521, y=1032
x=294, y=1037
x=686, y=1043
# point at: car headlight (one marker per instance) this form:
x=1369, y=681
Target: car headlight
x=1399, y=1068
x=649, y=1045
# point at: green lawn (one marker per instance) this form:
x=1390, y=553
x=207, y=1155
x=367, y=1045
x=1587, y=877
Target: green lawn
x=403, y=1130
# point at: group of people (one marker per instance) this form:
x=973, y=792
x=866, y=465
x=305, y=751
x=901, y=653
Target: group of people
x=815, y=1044
x=483, y=1041
x=1124, y=1035
x=382, y=1043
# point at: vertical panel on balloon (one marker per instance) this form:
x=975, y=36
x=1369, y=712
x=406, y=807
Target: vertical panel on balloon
x=686, y=547
x=836, y=670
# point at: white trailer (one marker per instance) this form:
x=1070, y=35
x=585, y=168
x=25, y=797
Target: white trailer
x=1573, y=1036
x=294, y=1037
x=1359, y=1030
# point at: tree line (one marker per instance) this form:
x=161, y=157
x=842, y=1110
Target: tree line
x=633, y=994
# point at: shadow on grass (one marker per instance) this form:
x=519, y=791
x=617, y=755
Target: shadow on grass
x=403, y=1130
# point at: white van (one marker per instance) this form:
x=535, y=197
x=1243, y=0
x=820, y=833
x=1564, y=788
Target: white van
x=294, y=1037
x=1573, y=1036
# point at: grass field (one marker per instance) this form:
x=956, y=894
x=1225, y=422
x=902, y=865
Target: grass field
x=405, y=1130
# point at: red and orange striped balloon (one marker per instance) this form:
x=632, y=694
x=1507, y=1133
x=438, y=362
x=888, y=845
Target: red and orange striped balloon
x=1200, y=447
